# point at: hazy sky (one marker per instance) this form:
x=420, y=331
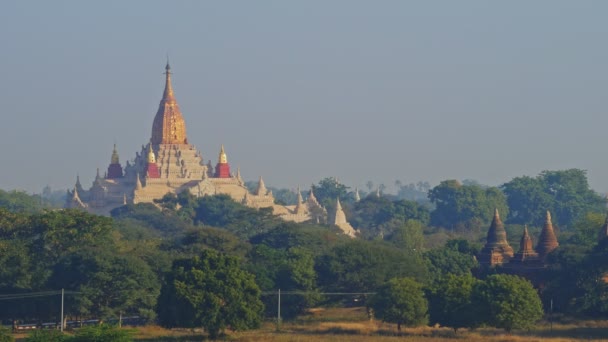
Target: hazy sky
x=301, y=90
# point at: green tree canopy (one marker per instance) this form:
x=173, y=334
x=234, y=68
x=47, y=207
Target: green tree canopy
x=506, y=301
x=210, y=291
x=363, y=266
x=401, y=301
x=450, y=301
x=565, y=193
x=456, y=203
x=328, y=190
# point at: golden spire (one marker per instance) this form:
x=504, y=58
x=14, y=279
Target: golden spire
x=223, y=159
x=151, y=157
x=169, y=126
x=115, y=156
x=168, y=93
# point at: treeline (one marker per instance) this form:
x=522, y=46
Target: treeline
x=156, y=260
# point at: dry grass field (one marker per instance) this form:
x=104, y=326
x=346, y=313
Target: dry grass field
x=351, y=324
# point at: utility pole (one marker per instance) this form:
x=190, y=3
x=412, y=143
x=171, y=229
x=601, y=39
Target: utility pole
x=62, y=296
x=279, y=311
x=551, y=316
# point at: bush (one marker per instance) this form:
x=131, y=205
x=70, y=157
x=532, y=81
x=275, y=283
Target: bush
x=102, y=333
x=46, y=336
x=5, y=335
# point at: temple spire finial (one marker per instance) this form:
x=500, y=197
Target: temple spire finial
x=223, y=159
x=115, y=159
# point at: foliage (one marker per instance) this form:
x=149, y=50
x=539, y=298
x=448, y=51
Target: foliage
x=19, y=201
x=450, y=301
x=363, y=266
x=6, y=335
x=46, y=336
x=417, y=192
x=576, y=280
x=164, y=222
x=196, y=239
x=288, y=270
x=408, y=236
x=374, y=215
x=222, y=211
x=107, y=283
x=565, y=193
x=401, y=301
x=102, y=333
x=319, y=240
x=456, y=258
x=506, y=301
x=328, y=190
x=210, y=291
x=586, y=230
x=457, y=203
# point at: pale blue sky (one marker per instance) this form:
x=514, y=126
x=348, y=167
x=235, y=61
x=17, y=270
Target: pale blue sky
x=297, y=91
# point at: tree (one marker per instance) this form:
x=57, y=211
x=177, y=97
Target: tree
x=372, y=214
x=107, y=284
x=363, y=266
x=457, y=203
x=222, y=211
x=507, y=301
x=450, y=301
x=566, y=193
x=401, y=301
x=210, y=291
x=288, y=270
x=328, y=189
x=409, y=236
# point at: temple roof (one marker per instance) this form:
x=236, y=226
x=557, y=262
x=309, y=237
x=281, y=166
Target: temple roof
x=169, y=126
x=547, y=241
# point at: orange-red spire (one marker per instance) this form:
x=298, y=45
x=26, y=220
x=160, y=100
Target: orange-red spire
x=169, y=126
x=547, y=241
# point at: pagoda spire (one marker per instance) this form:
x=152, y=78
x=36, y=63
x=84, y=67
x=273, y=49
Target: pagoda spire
x=169, y=126
x=168, y=93
x=261, y=190
x=223, y=159
x=114, y=159
x=114, y=169
x=222, y=169
x=547, y=241
x=497, y=249
x=300, y=208
x=357, y=196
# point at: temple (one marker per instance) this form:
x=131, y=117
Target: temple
x=527, y=260
x=168, y=163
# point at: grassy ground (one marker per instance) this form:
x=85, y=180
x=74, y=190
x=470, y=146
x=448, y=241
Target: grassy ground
x=351, y=324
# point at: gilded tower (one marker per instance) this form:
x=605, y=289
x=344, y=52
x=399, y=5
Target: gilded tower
x=169, y=126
